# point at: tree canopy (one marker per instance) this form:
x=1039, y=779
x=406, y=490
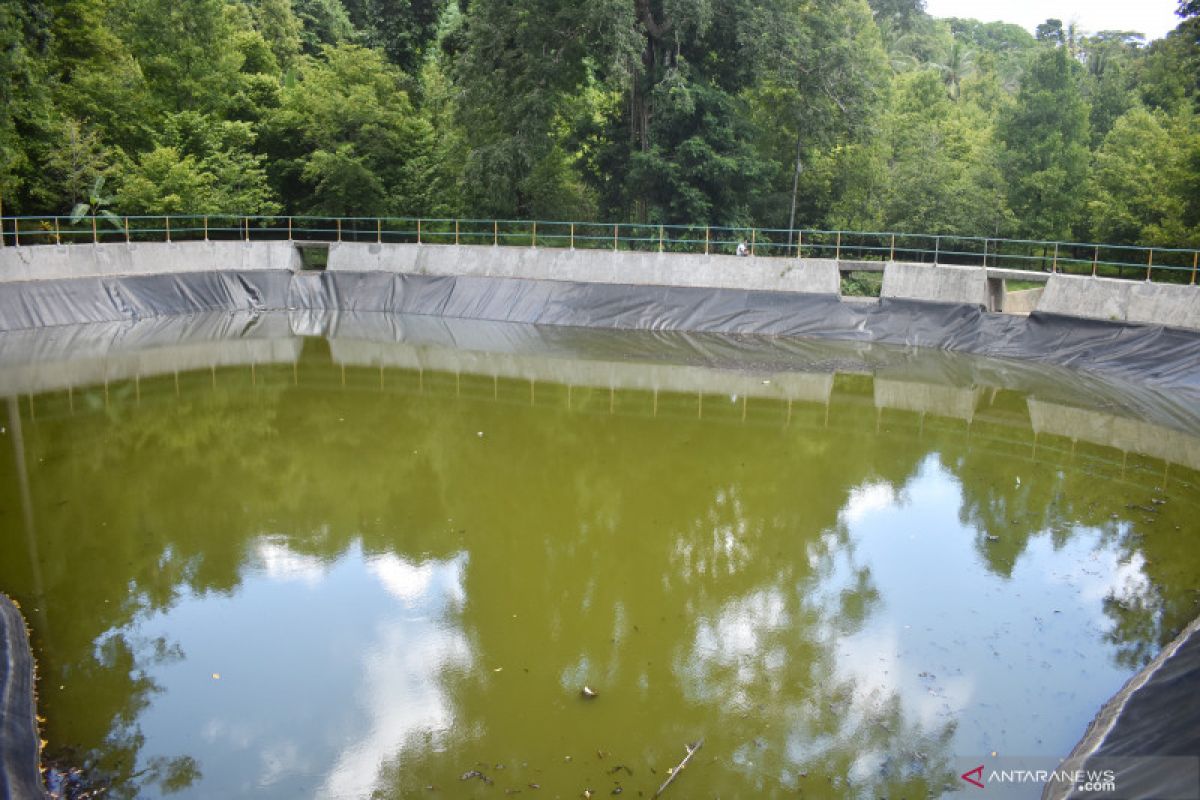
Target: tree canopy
x=780, y=113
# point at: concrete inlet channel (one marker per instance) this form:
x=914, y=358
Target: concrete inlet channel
x=1138, y=332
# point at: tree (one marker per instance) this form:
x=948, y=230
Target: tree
x=1142, y=178
x=1045, y=153
x=403, y=29
x=347, y=113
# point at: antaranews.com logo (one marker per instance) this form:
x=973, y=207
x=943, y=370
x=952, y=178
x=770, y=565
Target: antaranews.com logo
x=992, y=777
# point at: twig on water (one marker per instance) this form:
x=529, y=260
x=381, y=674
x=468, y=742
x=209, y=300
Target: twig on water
x=691, y=750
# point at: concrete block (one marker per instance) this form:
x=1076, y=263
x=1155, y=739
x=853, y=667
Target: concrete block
x=50, y=262
x=812, y=276
x=936, y=283
x=1169, y=304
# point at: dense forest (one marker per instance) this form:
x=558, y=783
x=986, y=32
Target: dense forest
x=854, y=114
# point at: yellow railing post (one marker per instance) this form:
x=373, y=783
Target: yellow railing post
x=495, y=233
x=167, y=220
x=985, y=244
x=752, y=237
x=339, y=229
x=706, y=240
x=572, y=235
x=289, y=227
x=1054, y=263
x=127, y=230
x=892, y=251
x=937, y=248
x=16, y=232
x=533, y=243
x=95, y=239
x=1095, y=260
x=615, y=237
x=246, y=227
x=799, y=244
x=206, y=228
x=837, y=251
x=1195, y=263
x=57, y=236
x=660, y=238
x=1149, y=263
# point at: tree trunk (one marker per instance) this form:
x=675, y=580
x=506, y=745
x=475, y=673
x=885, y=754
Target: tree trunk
x=795, y=189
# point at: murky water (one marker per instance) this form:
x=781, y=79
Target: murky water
x=365, y=570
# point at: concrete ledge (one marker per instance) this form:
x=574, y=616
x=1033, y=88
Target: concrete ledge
x=49, y=262
x=936, y=283
x=1114, y=300
x=810, y=276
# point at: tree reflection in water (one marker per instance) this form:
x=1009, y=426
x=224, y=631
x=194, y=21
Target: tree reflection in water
x=404, y=576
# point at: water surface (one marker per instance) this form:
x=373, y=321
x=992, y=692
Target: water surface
x=364, y=569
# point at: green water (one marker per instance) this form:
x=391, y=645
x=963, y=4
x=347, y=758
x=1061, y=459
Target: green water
x=333, y=580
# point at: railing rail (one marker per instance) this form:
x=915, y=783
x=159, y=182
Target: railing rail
x=1166, y=264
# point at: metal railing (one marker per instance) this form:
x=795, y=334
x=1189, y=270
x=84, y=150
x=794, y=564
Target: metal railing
x=1165, y=264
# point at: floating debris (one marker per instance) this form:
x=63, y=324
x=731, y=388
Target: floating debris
x=589, y=693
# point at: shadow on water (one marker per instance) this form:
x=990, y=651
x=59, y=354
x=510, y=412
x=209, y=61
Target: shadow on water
x=262, y=565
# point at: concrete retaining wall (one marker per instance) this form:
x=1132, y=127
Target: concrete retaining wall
x=1022, y=302
x=46, y=262
x=937, y=283
x=1122, y=301
x=812, y=276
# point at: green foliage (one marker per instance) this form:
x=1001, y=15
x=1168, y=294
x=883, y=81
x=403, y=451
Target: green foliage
x=846, y=113
x=346, y=114
x=1045, y=158
x=1143, y=187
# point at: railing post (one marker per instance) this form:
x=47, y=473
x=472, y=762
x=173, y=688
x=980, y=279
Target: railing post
x=572, y=235
x=57, y=236
x=206, y=227
x=418, y=231
x=1054, y=263
x=456, y=231
x=892, y=251
x=1149, y=263
x=1095, y=260
x=705, y=240
x=937, y=249
x=127, y=230
x=533, y=242
x=167, y=220
x=16, y=232
x=339, y=230
x=660, y=238
x=1195, y=263
x=378, y=231
x=95, y=239
x=837, y=252
x=246, y=227
x=615, y=224
x=289, y=227
x=495, y=233
x=752, y=237
x=800, y=243
x=985, y=244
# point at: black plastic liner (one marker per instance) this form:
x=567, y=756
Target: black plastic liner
x=1148, y=735
x=1167, y=358
x=20, y=776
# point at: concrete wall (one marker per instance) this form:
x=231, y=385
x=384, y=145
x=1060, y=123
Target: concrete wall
x=1122, y=301
x=938, y=283
x=1022, y=302
x=812, y=276
x=45, y=262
